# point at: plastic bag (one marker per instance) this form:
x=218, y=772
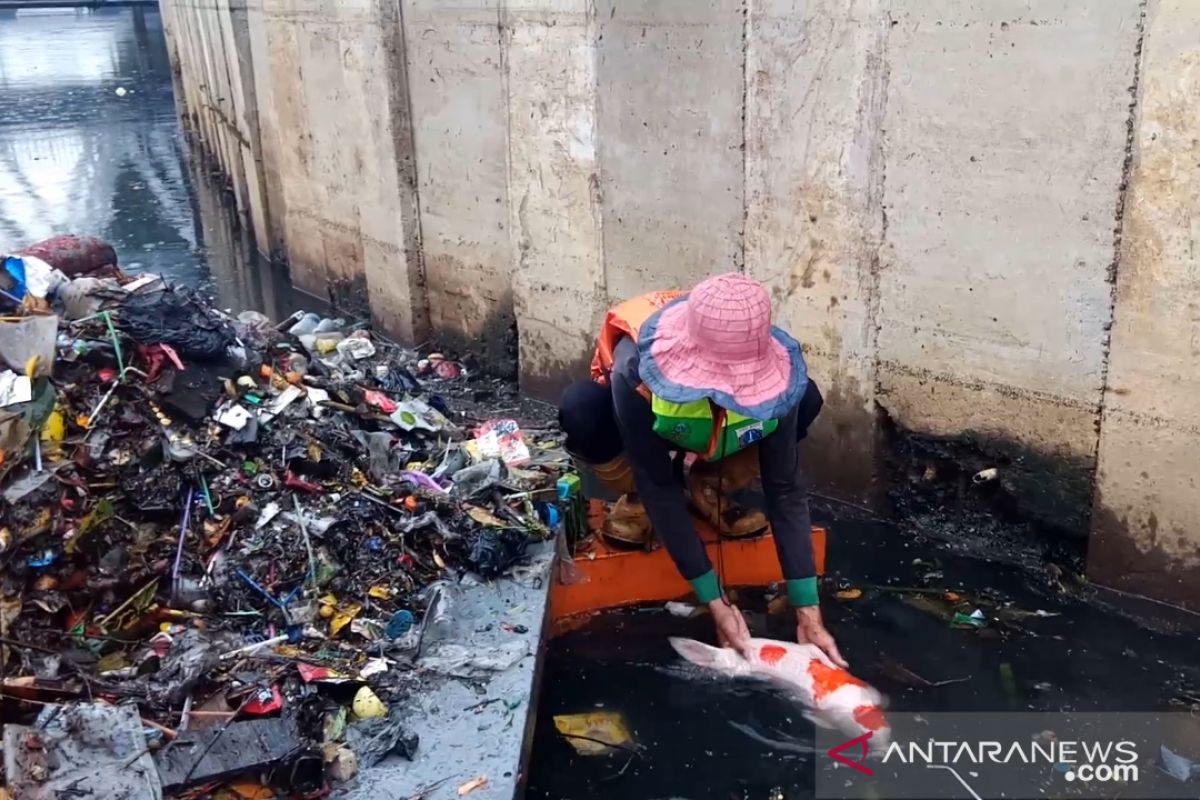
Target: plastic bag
x=356, y=348
x=33, y=276
x=32, y=336
x=478, y=479
x=373, y=739
x=438, y=624
x=84, y=297
x=474, y=662
x=177, y=317
x=494, y=551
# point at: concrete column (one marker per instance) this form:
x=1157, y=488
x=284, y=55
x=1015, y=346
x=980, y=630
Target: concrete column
x=260, y=36
x=1146, y=522
x=1004, y=140
x=669, y=120
x=289, y=140
x=816, y=80
x=457, y=86
x=554, y=189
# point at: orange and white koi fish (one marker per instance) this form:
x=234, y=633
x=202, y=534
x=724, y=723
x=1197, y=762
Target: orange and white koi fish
x=834, y=698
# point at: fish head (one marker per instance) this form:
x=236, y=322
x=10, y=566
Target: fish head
x=720, y=659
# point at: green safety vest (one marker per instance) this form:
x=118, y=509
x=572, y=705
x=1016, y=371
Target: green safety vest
x=693, y=426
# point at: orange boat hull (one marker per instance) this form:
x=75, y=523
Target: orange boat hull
x=607, y=577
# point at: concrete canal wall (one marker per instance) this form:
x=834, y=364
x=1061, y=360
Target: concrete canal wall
x=981, y=218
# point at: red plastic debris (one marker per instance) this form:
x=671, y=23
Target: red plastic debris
x=266, y=701
x=292, y=481
x=447, y=370
x=379, y=400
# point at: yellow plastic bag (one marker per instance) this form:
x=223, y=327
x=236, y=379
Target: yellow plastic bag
x=590, y=733
x=343, y=616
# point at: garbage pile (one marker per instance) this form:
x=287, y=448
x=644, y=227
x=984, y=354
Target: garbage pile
x=224, y=541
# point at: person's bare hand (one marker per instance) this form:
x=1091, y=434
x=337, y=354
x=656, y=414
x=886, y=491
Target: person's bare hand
x=811, y=630
x=731, y=625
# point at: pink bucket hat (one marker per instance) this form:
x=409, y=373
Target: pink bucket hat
x=717, y=342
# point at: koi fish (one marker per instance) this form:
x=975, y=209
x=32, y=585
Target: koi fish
x=834, y=698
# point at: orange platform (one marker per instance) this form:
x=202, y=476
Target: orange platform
x=611, y=577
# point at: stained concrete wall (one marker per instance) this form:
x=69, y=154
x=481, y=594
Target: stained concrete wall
x=938, y=194
x=1004, y=147
x=1147, y=504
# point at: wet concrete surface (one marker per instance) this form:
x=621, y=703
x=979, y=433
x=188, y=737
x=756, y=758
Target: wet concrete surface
x=707, y=737
x=90, y=144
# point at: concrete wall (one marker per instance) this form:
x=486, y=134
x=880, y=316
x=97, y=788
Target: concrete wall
x=975, y=225
x=1146, y=538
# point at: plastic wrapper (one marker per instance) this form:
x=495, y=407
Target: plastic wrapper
x=475, y=480
x=31, y=337
x=473, y=662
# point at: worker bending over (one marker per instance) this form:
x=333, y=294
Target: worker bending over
x=706, y=373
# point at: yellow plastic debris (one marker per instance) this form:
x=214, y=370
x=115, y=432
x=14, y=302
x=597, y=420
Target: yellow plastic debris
x=379, y=592
x=849, y=594
x=54, y=429
x=343, y=617
x=590, y=733
x=367, y=704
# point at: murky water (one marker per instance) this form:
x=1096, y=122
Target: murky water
x=90, y=144
x=713, y=738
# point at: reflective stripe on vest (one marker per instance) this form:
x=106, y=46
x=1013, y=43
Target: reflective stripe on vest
x=693, y=426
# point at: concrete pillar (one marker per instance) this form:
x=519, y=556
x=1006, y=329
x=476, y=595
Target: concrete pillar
x=1146, y=522
x=1004, y=138
x=554, y=189
x=669, y=109
x=458, y=92
x=816, y=80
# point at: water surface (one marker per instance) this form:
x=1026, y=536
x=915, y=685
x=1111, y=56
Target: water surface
x=706, y=737
x=90, y=143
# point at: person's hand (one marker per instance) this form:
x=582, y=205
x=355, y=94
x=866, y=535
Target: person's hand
x=731, y=625
x=811, y=630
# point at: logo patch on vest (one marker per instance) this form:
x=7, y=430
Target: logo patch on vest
x=680, y=431
x=750, y=434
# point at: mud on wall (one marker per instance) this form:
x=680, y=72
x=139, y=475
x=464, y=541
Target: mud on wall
x=977, y=216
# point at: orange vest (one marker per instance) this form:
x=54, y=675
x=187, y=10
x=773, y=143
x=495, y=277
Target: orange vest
x=625, y=320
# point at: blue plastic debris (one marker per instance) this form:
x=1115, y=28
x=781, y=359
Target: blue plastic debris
x=549, y=514
x=399, y=624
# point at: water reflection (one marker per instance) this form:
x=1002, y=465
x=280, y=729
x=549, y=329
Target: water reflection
x=90, y=143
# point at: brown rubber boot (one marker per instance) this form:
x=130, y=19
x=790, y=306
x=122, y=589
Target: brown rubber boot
x=616, y=475
x=627, y=522
x=736, y=483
